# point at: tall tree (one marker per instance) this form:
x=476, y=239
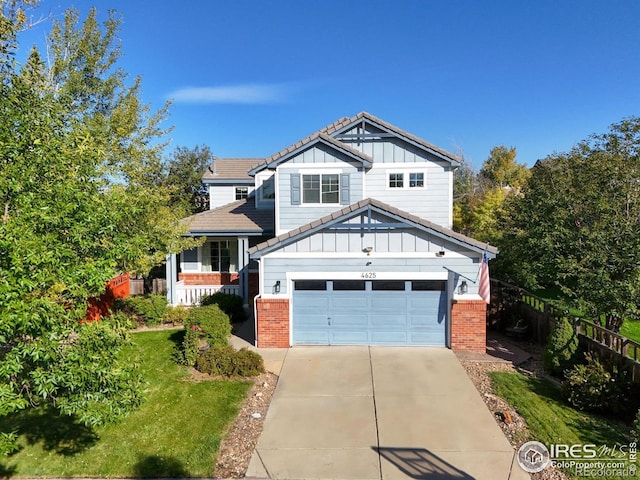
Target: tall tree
x=577, y=225
x=479, y=198
x=185, y=168
x=501, y=169
x=80, y=203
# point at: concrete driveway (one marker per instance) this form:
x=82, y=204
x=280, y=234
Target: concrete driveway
x=379, y=413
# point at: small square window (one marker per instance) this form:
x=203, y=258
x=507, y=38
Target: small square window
x=242, y=193
x=396, y=180
x=416, y=180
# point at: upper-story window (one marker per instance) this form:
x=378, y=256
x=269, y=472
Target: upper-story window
x=321, y=188
x=268, y=190
x=396, y=180
x=242, y=193
x=415, y=180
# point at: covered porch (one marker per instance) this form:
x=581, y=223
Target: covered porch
x=222, y=263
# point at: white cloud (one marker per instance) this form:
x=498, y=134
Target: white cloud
x=247, y=94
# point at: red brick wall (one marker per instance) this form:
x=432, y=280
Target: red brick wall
x=273, y=322
x=210, y=278
x=254, y=283
x=469, y=325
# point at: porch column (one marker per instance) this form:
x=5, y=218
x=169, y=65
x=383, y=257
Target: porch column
x=171, y=269
x=243, y=268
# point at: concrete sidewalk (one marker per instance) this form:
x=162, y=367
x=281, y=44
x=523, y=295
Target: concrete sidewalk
x=379, y=413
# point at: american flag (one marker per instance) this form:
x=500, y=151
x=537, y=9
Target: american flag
x=484, y=288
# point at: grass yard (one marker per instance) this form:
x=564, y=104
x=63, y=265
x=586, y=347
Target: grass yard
x=550, y=420
x=175, y=433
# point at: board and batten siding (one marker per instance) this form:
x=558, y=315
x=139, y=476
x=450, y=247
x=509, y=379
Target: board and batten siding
x=383, y=240
x=313, y=161
x=278, y=268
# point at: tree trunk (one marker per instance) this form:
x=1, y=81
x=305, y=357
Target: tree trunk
x=613, y=322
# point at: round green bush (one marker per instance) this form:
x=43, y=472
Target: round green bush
x=602, y=386
x=224, y=360
x=561, y=350
x=214, y=323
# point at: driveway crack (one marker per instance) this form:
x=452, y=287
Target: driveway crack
x=375, y=414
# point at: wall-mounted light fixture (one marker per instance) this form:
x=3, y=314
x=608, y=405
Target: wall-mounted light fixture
x=276, y=287
x=367, y=250
x=463, y=288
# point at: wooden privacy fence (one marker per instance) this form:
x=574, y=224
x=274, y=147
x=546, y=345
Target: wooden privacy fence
x=510, y=304
x=157, y=286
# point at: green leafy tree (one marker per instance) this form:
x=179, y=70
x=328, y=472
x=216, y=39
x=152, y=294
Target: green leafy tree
x=80, y=202
x=185, y=168
x=577, y=225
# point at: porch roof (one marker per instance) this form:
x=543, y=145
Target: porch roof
x=237, y=218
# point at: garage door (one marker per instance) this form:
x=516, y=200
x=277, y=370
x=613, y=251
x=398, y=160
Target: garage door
x=369, y=312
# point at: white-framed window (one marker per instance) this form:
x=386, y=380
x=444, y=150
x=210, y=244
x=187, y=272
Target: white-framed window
x=396, y=180
x=219, y=256
x=319, y=188
x=406, y=180
x=242, y=193
x=416, y=180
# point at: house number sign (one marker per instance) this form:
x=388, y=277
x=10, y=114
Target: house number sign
x=368, y=275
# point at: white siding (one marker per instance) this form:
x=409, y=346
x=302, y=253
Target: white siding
x=433, y=202
x=222, y=194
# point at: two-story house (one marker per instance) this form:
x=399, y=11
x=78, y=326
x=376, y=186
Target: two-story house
x=344, y=238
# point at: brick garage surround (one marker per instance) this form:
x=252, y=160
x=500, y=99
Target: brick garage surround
x=469, y=325
x=273, y=322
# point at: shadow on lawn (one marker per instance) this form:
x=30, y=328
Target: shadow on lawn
x=60, y=433
x=155, y=466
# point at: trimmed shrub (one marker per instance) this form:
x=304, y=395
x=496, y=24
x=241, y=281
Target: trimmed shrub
x=206, y=324
x=228, y=303
x=213, y=322
x=601, y=387
x=145, y=309
x=562, y=346
x=187, y=352
x=224, y=360
x=176, y=315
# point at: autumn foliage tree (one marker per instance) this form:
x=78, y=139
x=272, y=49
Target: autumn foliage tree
x=479, y=199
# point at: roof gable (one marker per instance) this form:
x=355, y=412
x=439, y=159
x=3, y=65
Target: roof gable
x=338, y=131
x=399, y=219
x=319, y=137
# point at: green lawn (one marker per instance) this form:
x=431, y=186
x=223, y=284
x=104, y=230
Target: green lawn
x=175, y=433
x=550, y=420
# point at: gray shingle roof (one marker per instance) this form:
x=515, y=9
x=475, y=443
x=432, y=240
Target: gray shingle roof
x=345, y=123
x=444, y=232
x=241, y=216
x=319, y=136
x=231, y=169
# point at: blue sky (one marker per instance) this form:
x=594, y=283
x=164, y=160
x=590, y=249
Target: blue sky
x=248, y=78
